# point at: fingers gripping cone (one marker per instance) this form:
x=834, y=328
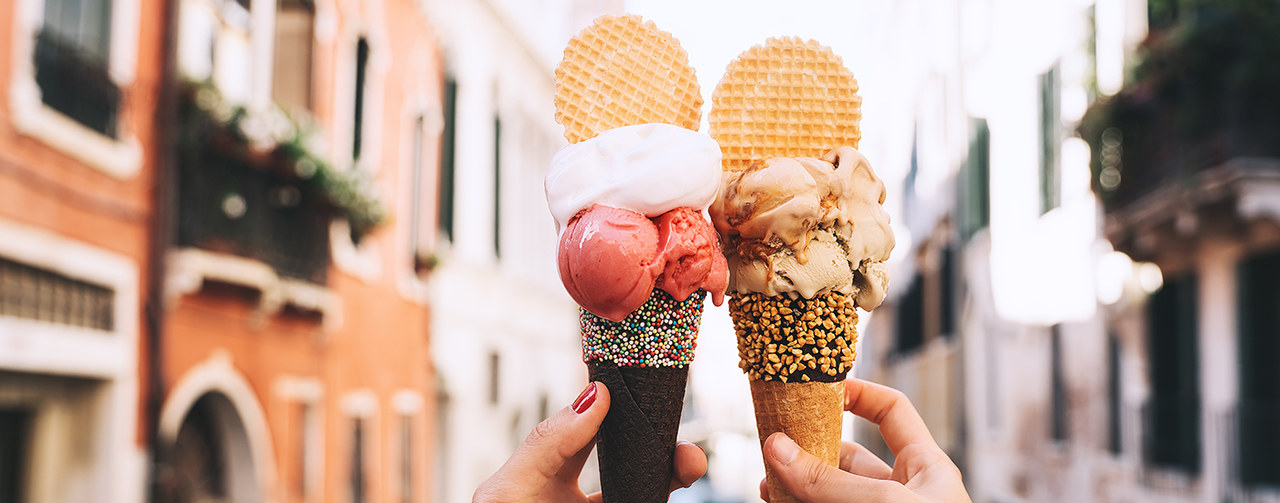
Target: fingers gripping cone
x=622, y=71
x=790, y=98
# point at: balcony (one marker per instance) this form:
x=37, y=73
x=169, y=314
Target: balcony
x=1194, y=138
x=255, y=205
x=242, y=205
x=251, y=185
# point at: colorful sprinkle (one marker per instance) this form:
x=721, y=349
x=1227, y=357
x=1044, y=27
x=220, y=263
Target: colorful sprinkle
x=661, y=333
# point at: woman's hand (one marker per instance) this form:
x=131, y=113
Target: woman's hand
x=546, y=466
x=921, y=471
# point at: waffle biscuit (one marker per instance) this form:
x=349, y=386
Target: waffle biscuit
x=622, y=71
x=786, y=98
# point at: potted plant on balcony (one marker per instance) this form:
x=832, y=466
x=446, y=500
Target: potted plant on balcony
x=1204, y=91
x=257, y=184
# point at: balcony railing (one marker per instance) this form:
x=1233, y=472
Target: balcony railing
x=1203, y=95
x=76, y=84
x=1171, y=439
x=235, y=204
x=1259, y=444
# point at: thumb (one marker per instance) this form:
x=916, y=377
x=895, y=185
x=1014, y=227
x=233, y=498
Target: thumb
x=811, y=480
x=555, y=440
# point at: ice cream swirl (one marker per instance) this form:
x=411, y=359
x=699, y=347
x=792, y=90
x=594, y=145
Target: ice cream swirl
x=805, y=226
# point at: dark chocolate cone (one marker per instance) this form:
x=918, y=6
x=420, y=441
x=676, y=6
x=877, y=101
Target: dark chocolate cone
x=638, y=438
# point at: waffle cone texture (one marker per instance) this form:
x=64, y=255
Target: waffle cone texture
x=622, y=71
x=809, y=413
x=786, y=98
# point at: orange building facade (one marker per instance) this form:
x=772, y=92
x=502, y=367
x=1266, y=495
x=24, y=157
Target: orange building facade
x=77, y=166
x=295, y=356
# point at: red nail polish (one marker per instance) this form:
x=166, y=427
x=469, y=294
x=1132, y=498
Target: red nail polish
x=585, y=399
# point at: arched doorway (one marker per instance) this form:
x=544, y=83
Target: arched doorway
x=226, y=454
x=210, y=459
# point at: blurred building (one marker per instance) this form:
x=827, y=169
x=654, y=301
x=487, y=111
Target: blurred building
x=294, y=358
x=506, y=333
x=77, y=165
x=1050, y=366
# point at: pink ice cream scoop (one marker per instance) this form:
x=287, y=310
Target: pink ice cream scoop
x=691, y=249
x=610, y=259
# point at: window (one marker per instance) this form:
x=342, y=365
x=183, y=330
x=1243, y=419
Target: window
x=357, y=478
x=43, y=295
x=417, y=249
x=909, y=181
x=910, y=318
x=1113, y=395
x=497, y=186
x=947, y=283
x=441, y=460
x=297, y=482
x=1091, y=47
x=447, y=144
x=406, y=458
x=975, y=210
x=1050, y=139
x=495, y=365
x=292, y=75
x=1058, y=388
x=306, y=451
x=72, y=58
x=544, y=407
x=1173, y=414
x=15, y=440
x=215, y=44
x=1259, y=408
x=357, y=119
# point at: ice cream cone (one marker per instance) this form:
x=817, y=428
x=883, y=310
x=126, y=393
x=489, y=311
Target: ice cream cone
x=622, y=71
x=796, y=353
x=800, y=221
x=808, y=413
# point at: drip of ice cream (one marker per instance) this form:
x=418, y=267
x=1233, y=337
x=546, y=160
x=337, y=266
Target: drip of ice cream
x=806, y=226
x=629, y=205
x=647, y=168
x=611, y=259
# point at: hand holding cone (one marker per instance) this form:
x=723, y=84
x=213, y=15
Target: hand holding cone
x=801, y=223
x=625, y=88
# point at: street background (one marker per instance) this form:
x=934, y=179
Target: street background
x=299, y=250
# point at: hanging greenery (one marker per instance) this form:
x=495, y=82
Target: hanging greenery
x=276, y=141
x=1205, y=89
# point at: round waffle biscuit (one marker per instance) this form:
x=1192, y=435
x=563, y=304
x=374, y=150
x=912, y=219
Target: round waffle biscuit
x=786, y=98
x=622, y=71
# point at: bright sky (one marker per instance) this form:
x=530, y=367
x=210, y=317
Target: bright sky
x=715, y=32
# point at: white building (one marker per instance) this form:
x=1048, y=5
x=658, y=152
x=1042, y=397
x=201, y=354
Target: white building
x=1035, y=352
x=506, y=342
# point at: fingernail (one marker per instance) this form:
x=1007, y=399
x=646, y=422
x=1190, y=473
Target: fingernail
x=784, y=449
x=585, y=399
x=704, y=451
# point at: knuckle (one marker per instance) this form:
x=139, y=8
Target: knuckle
x=900, y=398
x=896, y=399
x=544, y=430
x=815, y=476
